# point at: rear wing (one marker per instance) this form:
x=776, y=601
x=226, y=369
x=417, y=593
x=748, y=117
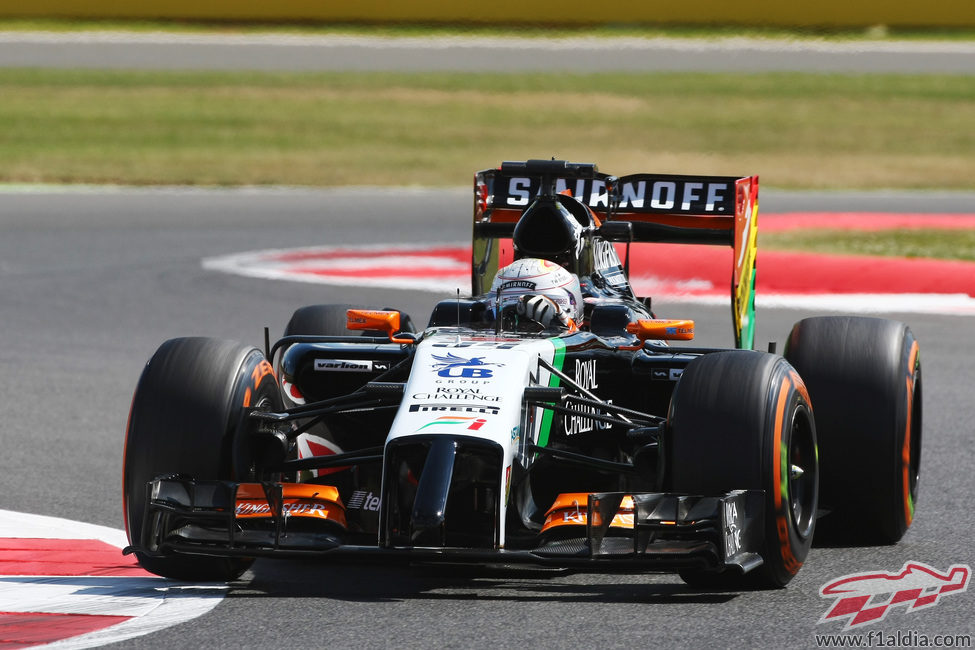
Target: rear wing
x=715, y=210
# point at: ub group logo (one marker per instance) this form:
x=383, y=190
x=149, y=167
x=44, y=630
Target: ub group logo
x=452, y=365
x=865, y=598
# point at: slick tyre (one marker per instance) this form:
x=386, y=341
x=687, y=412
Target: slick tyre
x=864, y=378
x=329, y=320
x=742, y=420
x=319, y=320
x=189, y=405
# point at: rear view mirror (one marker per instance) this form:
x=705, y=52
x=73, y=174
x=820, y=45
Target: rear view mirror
x=378, y=320
x=662, y=329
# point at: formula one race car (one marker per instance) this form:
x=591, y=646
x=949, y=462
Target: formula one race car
x=549, y=418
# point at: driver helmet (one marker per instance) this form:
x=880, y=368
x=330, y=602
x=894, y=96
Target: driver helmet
x=533, y=277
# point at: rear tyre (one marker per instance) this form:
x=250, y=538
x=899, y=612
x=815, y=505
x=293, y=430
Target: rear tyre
x=340, y=430
x=329, y=320
x=864, y=378
x=189, y=406
x=319, y=320
x=742, y=420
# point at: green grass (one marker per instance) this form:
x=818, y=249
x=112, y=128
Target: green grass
x=209, y=128
x=941, y=244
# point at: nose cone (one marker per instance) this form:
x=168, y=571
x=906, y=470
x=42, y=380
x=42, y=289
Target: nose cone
x=430, y=506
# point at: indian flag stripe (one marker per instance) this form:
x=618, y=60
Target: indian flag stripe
x=553, y=381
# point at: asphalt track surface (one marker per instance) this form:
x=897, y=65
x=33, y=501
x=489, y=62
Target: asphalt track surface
x=92, y=282
x=114, y=50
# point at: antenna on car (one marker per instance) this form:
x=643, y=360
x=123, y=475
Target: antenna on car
x=549, y=176
x=497, y=312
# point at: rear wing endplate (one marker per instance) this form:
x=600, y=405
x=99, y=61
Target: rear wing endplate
x=661, y=208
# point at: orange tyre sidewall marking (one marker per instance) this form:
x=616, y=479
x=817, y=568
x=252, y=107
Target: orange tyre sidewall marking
x=261, y=370
x=780, y=462
x=906, y=448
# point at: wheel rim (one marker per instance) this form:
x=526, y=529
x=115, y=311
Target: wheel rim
x=803, y=468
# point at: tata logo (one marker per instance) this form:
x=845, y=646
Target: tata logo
x=452, y=365
x=362, y=500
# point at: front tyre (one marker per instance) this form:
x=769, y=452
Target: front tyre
x=188, y=408
x=742, y=420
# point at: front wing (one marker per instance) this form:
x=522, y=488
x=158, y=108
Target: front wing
x=668, y=532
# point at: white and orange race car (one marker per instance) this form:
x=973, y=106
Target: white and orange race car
x=549, y=417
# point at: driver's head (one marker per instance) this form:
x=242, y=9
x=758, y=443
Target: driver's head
x=529, y=277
